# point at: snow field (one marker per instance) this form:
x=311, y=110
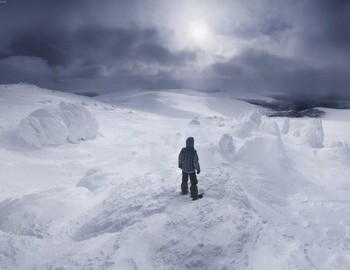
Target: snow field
x=276, y=190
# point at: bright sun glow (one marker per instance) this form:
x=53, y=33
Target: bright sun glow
x=199, y=32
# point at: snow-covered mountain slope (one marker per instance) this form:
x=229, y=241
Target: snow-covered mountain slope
x=276, y=190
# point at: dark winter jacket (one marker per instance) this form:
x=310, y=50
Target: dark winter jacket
x=188, y=158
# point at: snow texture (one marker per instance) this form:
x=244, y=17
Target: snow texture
x=44, y=127
x=270, y=127
x=80, y=123
x=285, y=126
x=35, y=214
x=95, y=179
x=226, y=146
x=309, y=132
x=247, y=124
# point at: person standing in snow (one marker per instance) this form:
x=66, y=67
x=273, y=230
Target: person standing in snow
x=189, y=164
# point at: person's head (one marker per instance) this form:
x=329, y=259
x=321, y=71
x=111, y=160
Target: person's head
x=190, y=142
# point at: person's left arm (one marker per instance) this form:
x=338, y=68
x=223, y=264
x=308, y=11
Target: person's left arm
x=180, y=160
x=196, y=163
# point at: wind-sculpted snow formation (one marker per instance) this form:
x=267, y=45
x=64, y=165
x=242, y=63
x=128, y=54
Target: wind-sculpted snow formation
x=226, y=146
x=304, y=132
x=57, y=125
x=307, y=132
x=276, y=189
x=248, y=123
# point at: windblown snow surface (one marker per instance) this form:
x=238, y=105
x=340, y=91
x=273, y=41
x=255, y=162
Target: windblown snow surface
x=104, y=193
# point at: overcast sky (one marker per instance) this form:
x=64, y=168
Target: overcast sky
x=294, y=46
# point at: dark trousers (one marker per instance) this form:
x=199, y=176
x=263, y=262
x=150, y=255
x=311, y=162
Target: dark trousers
x=194, y=182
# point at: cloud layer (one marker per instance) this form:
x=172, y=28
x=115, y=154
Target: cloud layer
x=297, y=47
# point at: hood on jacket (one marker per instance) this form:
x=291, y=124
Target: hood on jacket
x=190, y=142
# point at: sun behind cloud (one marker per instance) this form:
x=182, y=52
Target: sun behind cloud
x=199, y=32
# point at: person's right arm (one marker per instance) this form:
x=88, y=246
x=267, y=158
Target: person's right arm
x=196, y=163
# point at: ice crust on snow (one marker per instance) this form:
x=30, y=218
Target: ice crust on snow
x=56, y=125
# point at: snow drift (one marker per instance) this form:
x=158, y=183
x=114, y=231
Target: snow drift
x=44, y=127
x=270, y=127
x=304, y=132
x=247, y=124
x=57, y=125
x=95, y=179
x=285, y=126
x=35, y=214
x=226, y=146
x=309, y=132
x=80, y=123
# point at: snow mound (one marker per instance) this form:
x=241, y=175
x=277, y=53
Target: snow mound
x=226, y=146
x=95, y=179
x=80, y=123
x=225, y=186
x=44, y=127
x=247, y=124
x=263, y=151
x=285, y=125
x=33, y=215
x=270, y=127
x=308, y=132
x=267, y=155
x=338, y=151
x=55, y=126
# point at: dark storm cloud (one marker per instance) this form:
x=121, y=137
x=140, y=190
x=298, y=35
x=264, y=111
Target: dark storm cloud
x=88, y=50
x=64, y=54
x=254, y=69
x=42, y=45
x=267, y=26
x=318, y=64
x=96, y=45
x=323, y=30
x=299, y=47
x=333, y=18
x=151, y=52
x=28, y=68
